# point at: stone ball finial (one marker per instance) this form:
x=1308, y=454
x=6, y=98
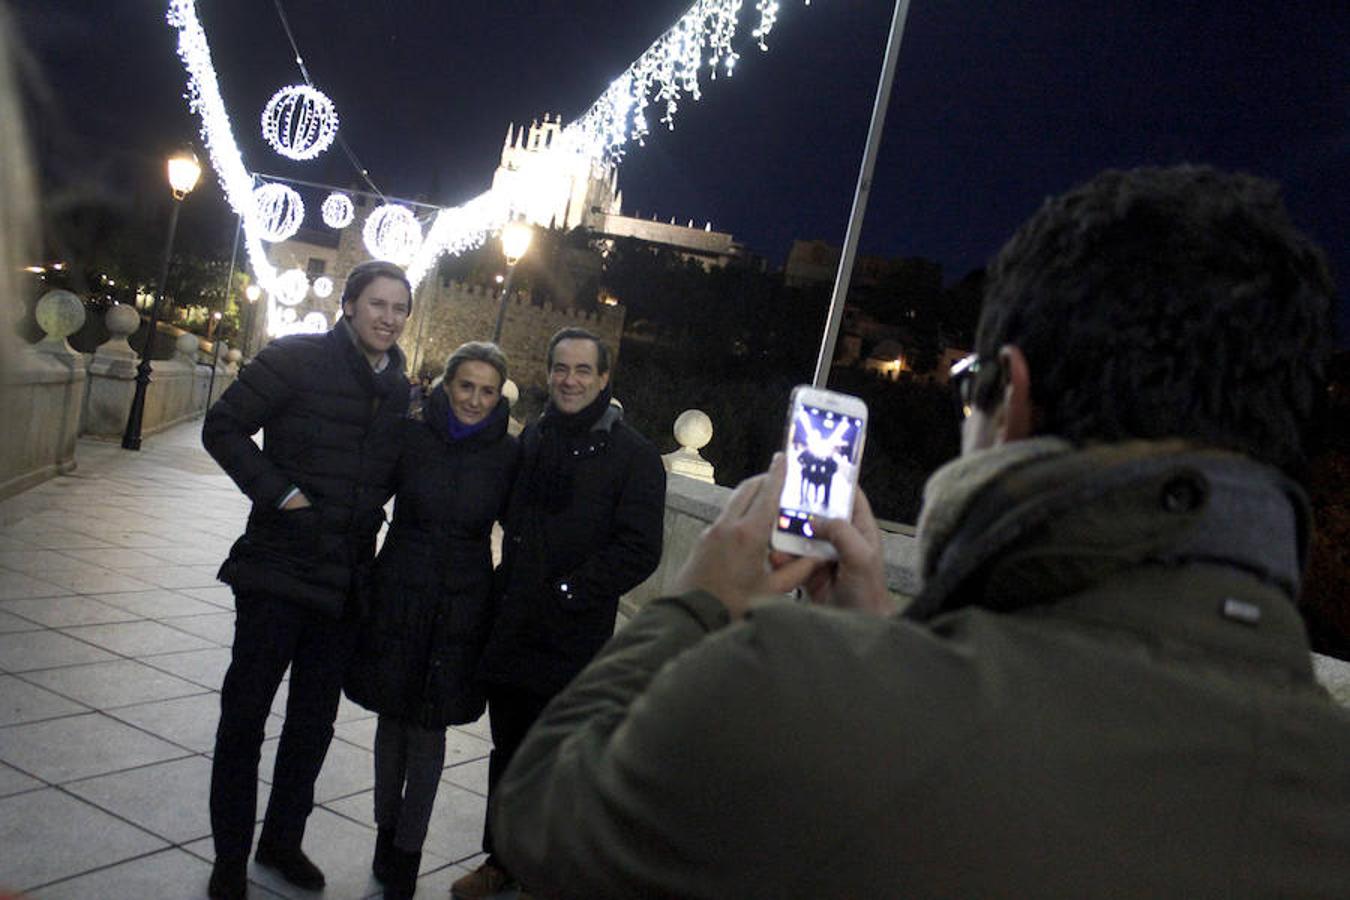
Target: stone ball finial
x=60, y=314
x=187, y=344
x=234, y=356
x=121, y=320
x=511, y=392
x=693, y=429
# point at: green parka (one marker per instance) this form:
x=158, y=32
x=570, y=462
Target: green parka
x=1110, y=694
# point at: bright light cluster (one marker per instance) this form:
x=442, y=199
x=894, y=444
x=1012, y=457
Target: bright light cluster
x=665, y=73
x=337, y=210
x=391, y=232
x=323, y=287
x=279, y=212
x=299, y=122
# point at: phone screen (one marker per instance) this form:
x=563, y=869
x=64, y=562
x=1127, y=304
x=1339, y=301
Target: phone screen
x=822, y=468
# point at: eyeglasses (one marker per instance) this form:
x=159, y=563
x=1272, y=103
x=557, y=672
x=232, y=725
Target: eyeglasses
x=961, y=376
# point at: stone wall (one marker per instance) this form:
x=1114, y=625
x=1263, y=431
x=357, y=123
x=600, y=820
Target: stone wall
x=40, y=399
x=50, y=394
x=447, y=315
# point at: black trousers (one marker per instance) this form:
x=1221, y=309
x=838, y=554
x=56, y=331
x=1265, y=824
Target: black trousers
x=511, y=712
x=270, y=634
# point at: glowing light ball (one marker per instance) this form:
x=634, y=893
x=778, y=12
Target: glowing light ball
x=299, y=122
x=337, y=210
x=392, y=233
x=291, y=287
x=278, y=210
x=323, y=287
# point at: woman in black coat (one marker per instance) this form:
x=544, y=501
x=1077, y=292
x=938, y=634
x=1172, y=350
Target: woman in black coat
x=428, y=618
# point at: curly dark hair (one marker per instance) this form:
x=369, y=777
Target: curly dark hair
x=1154, y=303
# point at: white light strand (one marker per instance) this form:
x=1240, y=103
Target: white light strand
x=299, y=122
x=337, y=210
x=279, y=212
x=666, y=71
x=391, y=232
x=203, y=96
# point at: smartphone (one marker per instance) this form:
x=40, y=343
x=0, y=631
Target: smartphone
x=824, y=445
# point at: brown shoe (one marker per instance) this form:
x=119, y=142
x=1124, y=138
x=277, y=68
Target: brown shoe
x=488, y=880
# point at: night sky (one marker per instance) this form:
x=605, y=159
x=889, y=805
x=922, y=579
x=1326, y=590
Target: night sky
x=995, y=106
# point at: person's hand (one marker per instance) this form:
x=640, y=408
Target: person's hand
x=731, y=559
x=858, y=579
x=298, y=501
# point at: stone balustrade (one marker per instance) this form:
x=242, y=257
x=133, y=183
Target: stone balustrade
x=52, y=395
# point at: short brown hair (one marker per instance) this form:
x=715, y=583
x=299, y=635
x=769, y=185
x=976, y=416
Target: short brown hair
x=362, y=274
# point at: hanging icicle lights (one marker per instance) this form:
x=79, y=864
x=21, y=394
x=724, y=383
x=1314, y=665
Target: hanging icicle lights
x=666, y=72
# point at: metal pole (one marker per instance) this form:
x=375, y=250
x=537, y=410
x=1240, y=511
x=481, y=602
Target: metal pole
x=424, y=311
x=215, y=357
x=501, y=310
x=234, y=255
x=855, y=220
x=131, y=437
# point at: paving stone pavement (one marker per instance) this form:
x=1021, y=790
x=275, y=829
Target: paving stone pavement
x=114, y=637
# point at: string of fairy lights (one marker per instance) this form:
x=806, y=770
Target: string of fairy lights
x=300, y=122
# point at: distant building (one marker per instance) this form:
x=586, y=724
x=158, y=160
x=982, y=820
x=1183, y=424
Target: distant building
x=817, y=262
x=562, y=190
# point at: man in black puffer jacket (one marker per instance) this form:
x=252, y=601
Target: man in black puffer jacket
x=583, y=526
x=329, y=406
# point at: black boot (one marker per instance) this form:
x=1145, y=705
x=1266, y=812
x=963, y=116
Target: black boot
x=292, y=864
x=229, y=880
x=403, y=883
x=382, y=865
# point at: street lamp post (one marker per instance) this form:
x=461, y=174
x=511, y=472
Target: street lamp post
x=252, y=293
x=515, y=241
x=215, y=357
x=184, y=170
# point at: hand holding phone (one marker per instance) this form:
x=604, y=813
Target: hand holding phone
x=823, y=447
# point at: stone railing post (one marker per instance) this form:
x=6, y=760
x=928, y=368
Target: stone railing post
x=112, y=374
x=40, y=399
x=693, y=431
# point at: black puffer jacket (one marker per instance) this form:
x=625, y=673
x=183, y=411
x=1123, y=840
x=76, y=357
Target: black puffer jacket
x=433, y=577
x=604, y=541
x=330, y=427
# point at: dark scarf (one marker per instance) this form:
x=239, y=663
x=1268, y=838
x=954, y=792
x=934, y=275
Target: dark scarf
x=560, y=434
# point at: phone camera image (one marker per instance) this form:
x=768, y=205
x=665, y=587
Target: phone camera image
x=822, y=460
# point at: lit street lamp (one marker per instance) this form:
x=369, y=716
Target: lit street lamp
x=516, y=238
x=184, y=170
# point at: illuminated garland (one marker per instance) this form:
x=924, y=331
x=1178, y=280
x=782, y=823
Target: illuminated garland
x=665, y=73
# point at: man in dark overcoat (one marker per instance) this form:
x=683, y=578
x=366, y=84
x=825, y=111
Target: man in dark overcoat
x=329, y=407
x=584, y=525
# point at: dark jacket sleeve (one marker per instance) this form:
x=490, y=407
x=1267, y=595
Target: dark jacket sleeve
x=633, y=549
x=263, y=389
x=590, y=793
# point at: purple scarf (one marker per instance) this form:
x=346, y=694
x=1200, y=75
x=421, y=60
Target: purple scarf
x=459, y=431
